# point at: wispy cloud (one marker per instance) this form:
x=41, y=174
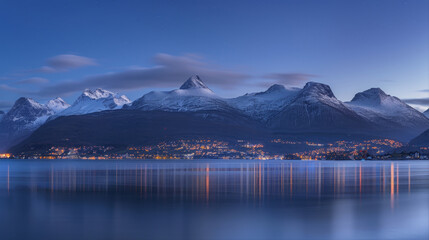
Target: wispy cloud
x=33, y=80
x=5, y=78
x=291, y=79
x=8, y=88
x=169, y=71
x=66, y=62
x=5, y=105
x=418, y=101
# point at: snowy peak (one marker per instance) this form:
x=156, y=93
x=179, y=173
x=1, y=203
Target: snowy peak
x=57, y=105
x=377, y=100
x=25, y=116
x=262, y=105
x=95, y=101
x=388, y=112
x=426, y=113
x=97, y=94
x=314, y=89
x=121, y=100
x=373, y=96
x=275, y=88
x=26, y=113
x=193, y=82
x=113, y=99
x=193, y=95
x=315, y=108
x=26, y=103
x=29, y=108
x=275, y=91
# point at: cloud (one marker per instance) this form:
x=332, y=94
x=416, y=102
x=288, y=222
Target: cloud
x=5, y=105
x=419, y=108
x=9, y=88
x=66, y=62
x=293, y=79
x=34, y=80
x=5, y=78
x=424, y=90
x=169, y=71
x=418, y=101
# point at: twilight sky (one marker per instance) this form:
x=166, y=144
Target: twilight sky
x=59, y=48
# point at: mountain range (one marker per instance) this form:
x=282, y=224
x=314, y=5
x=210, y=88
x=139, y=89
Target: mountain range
x=94, y=101
x=26, y=115
x=103, y=117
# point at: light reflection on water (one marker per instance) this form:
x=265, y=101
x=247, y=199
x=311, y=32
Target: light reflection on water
x=219, y=199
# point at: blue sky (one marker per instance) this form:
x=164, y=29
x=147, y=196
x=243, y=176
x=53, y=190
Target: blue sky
x=59, y=48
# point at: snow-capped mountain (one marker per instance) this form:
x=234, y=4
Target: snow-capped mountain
x=426, y=113
x=95, y=101
x=311, y=111
x=262, y=105
x=388, y=112
x=192, y=96
x=27, y=113
x=57, y=105
x=315, y=108
x=25, y=116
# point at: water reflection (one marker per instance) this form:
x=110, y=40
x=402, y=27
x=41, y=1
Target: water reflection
x=246, y=199
x=216, y=181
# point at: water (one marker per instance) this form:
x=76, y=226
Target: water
x=217, y=199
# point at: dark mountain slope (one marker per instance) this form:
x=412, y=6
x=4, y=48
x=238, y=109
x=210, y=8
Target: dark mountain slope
x=421, y=140
x=131, y=127
x=316, y=109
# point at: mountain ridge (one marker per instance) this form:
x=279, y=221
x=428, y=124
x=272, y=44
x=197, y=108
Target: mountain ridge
x=24, y=117
x=388, y=113
x=94, y=101
x=314, y=109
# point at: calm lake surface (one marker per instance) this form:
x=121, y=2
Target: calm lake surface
x=214, y=199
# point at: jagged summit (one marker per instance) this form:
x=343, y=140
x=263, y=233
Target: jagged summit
x=97, y=93
x=104, y=95
x=27, y=111
x=57, y=104
x=193, y=82
x=275, y=88
x=319, y=89
x=315, y=108
x=262, y=105
x=375, y=91
x=21, y=120
x=95, y=101
x=193, y=95
x=389, y=112
x=57, y=99
x=371, y=96
x=23, y=101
